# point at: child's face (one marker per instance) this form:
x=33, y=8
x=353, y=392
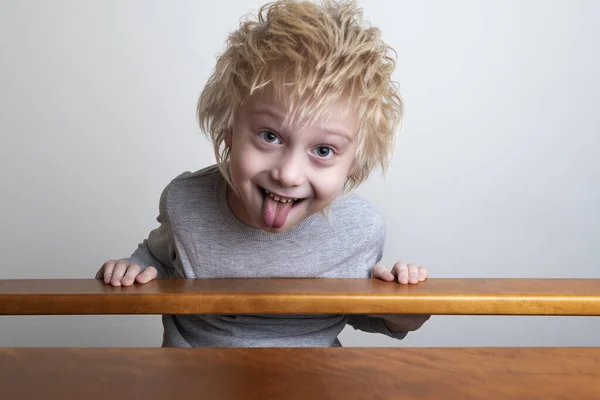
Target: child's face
x=303, y=166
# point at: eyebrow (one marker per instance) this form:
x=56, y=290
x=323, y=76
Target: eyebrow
x=340, y=132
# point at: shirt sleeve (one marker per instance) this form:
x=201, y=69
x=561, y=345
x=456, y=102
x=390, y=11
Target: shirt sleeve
x=373, y=253
x=373, y=325
x=157, y=250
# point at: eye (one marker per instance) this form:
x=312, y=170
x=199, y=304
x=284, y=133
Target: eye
x=323, y=152
x=269, y=137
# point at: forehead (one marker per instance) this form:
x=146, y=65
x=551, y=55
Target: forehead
x=340, y=116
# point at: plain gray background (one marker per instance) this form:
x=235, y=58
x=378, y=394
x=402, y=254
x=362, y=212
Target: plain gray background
x=496, y=171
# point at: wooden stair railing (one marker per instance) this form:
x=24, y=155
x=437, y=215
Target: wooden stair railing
x=330, y=374
x=439, y=296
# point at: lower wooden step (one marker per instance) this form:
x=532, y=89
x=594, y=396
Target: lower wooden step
x=338, y=373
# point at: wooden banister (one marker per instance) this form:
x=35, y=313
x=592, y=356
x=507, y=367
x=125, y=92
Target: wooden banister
x=303, y=296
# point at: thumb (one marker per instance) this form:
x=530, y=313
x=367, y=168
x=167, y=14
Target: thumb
x=146, y=275
x=380, y=272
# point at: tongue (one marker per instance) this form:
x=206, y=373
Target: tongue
x=275, y=213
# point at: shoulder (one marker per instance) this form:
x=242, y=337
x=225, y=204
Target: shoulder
x=360, y=234
x=355, y=210
x=188, y=181
x=190, y=185
x=358, y=218
x=202, y=177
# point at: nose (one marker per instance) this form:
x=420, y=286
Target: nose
x=288, y=171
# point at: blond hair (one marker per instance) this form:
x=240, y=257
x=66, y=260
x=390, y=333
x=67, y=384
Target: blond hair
x=320, y=55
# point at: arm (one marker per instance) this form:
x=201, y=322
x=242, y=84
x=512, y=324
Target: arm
x=153, y=257
x=371, y=254
x=370, y=324
x=395, y=326
x=404, y=274
x=157, y=250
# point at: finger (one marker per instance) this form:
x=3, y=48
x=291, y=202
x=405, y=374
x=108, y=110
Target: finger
x=118, y=272
x=422, y=273
x=133, y=270
x=147, y=275
x=401, y=271
x=413, y=273
x=380, y=272
x=107, y=271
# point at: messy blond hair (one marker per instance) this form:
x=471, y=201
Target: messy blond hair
x=320, y=55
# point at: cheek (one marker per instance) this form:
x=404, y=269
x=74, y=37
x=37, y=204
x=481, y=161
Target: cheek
x=239, y=157
x=237, y=170
x=328, y=185
x=245, y=163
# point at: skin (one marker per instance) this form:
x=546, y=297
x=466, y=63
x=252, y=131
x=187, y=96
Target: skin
x=306, y=161
x=310, y=162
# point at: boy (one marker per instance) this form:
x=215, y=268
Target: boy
x=300, y=109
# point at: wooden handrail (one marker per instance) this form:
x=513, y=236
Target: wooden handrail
x=303, y=296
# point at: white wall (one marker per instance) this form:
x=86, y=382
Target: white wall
x=496, y=171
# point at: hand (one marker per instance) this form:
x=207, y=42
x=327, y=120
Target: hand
x=122, y=272
x=405, y=274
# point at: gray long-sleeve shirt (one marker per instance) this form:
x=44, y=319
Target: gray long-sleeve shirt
x=199, y=237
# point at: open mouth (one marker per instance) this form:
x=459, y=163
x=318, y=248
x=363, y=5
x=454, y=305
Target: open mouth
x=280, y=199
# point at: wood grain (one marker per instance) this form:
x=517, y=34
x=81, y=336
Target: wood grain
x=349, y=373
x=303, y=296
